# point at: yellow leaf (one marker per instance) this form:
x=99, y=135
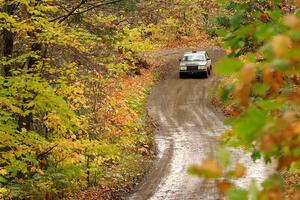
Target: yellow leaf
x=239, y=170
x=3, y=172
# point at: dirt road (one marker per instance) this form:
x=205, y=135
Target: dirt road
x=188, y=128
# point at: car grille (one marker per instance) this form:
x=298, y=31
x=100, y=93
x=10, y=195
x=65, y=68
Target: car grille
x=192, y=68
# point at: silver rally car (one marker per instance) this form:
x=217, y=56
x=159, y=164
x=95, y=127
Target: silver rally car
x=194, y=63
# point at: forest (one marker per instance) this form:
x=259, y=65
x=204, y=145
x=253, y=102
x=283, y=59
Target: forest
x=75, y=78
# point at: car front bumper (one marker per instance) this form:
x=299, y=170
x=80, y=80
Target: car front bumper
x=199, y=71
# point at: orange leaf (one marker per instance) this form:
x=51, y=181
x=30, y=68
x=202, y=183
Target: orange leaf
x=285, y=161
x=297, y=3
x=239, y=170
x=291, y=21
x=267, y=143
x=208, y=169
x=273, y=79
x=247, y=73
x=242, y=90
x=223, y=187
x=280, y=45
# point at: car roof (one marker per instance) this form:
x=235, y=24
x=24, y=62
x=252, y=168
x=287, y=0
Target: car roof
x=194, y=52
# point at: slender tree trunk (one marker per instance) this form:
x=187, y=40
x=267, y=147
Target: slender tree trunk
x=27, y=121
x=88, y=168
x=8, y=39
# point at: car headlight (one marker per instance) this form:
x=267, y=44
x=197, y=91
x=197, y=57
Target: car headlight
x=183, y=68
x=201, y=67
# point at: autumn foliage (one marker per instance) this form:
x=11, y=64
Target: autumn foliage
x=262, y=88
x=73, y=86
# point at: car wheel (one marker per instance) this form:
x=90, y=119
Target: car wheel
x=206, y=74
x=181, y=75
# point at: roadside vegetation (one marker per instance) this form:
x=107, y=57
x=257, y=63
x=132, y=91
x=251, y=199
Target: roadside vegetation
x=75, y=78
x=261, y=90
x=73, y=87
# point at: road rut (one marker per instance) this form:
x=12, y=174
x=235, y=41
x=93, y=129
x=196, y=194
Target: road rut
x=187, y=134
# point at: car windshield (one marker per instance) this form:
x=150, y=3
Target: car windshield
x=194, y=57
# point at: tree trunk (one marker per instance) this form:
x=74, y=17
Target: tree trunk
x=88, y=177
x=8, y=39
x=27, y=121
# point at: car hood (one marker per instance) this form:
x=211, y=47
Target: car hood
x=194, y=63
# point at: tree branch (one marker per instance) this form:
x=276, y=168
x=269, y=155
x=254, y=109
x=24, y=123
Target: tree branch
x=97, y=5
x=41, y=155
x=64, y=17
x=72, y=12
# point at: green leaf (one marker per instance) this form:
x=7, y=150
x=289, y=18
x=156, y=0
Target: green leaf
x=229, y=121
x=273, y=181
x=276, y=15
x=228, y=66
x=296, y=151
x=264, y=32
x=280, y=64
x=297, y=13
x=2, y=180
x=255, y=155
x=221, y=32
x=225, y=92
x=253, y=191
x=260, y=89
x=236, y=194
x=268, y=105
x=294, y=35
x=248, y=126
x=237, y=19
x=223, y=157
